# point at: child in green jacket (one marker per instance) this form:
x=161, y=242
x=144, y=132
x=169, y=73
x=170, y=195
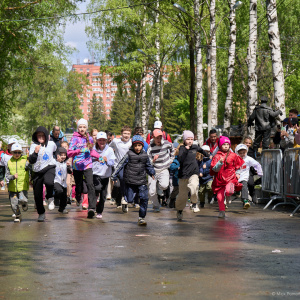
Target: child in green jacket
x=17, y=176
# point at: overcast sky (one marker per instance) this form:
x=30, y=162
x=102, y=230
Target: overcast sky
x=75, y=36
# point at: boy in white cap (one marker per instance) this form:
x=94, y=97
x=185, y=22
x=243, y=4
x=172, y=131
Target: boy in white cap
x=188, y=173
x=17, y=176
x=158, y=125
x=244, y=172
x=7, y=155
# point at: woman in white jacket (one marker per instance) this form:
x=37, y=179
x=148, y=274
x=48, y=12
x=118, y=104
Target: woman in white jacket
x=243, y=172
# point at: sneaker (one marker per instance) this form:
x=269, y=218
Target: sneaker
x=119, y=206
x=91, y=214
x=195, y=207
x=164, y=202
x=78, y=202
x=221, y=214
x=51, y=205
x=112, y=201
x=13, y=215
x=179, y=215
x=17, y=219
x=156, y=209
x=41, y=218
x=212, y=200
x=142, y=222
x=84, y=207
x=125, y=208
x=99, y=216
x=246, y=204
x=137, y=205
x=202, y=204
x=63, y=212
x=123, y=201
x=44, y=203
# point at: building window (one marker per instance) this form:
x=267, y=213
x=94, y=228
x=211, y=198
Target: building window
x=95, y=74
x=108, y=90
x=81, y=70
x=107, y=105
x=107, y=110
x=87, y=70
x=88, y=100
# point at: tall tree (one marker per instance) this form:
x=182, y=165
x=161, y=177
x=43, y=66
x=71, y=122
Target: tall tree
x=97, y=117
x=277, y=68
x=251, y=61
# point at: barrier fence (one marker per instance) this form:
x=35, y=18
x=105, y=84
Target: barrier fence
x=281, y=176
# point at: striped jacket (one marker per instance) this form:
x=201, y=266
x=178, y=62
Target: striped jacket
x=166, y=154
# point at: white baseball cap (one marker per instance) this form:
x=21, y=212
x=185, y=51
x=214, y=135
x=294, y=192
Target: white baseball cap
x=16, y=147
x=205, y=148
x=101, y=135
x=12, y=141
x=158, y=124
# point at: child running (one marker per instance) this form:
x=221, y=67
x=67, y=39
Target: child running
x=81, y=150
x=136, y=164
x=223, y=168
x=17, y=176
x=41, y=157
x=102, y=170
x=63, y=168
x=188, y=174
x=243, y=174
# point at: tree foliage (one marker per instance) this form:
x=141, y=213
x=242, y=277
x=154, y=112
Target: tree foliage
x=97, y=117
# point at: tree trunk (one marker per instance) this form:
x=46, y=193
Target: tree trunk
x=199, y=77
x=145, y=112
x=213, y=65
x=137, y=119
x=192, y=83
x=230, y=75
x=277, y=69
x=251, y=61
x=157, y=66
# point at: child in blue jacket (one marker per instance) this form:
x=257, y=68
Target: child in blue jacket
x=205, y=179
x=174, y=169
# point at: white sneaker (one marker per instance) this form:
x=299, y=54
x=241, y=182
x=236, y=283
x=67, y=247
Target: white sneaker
x=51, y=205
x=123, y=201
x=195, y=207
x=99, y=216
x=137, y=205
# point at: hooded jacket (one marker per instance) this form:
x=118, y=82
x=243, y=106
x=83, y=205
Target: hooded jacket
x=57, y=141
x=43, y=160
x=82, y=156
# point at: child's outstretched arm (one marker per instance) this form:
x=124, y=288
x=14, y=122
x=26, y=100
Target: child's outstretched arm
x=149, y=168
x=218, y=165
x=123, y=162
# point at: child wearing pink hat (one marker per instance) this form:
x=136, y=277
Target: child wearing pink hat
x=223, y=167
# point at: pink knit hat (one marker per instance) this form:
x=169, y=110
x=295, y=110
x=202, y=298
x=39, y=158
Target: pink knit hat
x=187, y=134
x=223, y=140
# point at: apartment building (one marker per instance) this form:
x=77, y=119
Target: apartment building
x=106, y=89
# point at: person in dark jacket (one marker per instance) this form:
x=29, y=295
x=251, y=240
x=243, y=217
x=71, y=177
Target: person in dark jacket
x=188, y=173
x=57, y=136
x=205, y=178
x=264, y=118
x=136, y=165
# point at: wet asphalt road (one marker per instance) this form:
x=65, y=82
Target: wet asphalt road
x=203, y=257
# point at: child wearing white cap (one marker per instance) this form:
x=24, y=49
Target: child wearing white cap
x=7, y=155
x=81, y=149
x=17, y=176
x=102, y=170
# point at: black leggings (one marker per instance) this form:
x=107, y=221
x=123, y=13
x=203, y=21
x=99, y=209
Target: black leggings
x=61, y=195
x=101, y=189
x=39, y=180
x=88, y=176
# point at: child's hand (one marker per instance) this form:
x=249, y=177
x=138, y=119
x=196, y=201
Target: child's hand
x=222, y=159
x=238, y=176
x=37, y=148
x=153, y=177
x=204, y=166
x=187, y=147
x=2, y=183
x=105, y=158
x=155, y=157
x=201, y=175
x=58, y=158
x=210, y=157
x=16, y=175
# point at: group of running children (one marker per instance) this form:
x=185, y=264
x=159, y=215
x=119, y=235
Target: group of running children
x=127, y=162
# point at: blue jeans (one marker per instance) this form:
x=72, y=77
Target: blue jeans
x=142, y=190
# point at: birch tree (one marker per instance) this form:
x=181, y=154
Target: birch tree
x=251, y=61
x=137, y=119
x=213, y=118
x=277, y=68
x=230, y=68
x=199, y=92
x=145, y=111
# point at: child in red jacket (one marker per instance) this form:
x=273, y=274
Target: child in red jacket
x=223, y=168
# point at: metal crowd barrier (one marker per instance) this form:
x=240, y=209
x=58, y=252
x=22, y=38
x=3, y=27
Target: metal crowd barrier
x=292, y=174
x=281, y=177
